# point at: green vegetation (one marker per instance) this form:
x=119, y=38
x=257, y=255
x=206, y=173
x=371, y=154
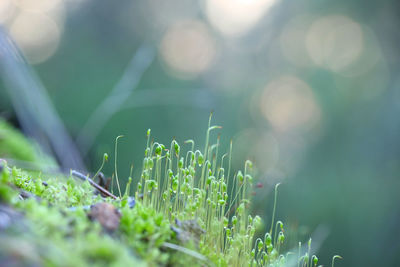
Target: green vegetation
x=14, y=144
x=188, y=209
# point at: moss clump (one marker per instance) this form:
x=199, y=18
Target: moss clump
x=189, y=209
x=53, y=233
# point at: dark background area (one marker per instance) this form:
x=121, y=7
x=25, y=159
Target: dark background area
x=309, y=90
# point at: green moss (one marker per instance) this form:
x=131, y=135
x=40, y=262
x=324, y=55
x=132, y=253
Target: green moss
x=58, y=234
x=14, y=145
x=189, y=210
x=16, y=148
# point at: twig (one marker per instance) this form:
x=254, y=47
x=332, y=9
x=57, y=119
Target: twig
x=92, y=183
x=139, y=63
x=33, y=106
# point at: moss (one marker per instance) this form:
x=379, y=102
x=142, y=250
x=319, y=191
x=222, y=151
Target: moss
x=58, y=231
x=14, y=145
x=183, y=215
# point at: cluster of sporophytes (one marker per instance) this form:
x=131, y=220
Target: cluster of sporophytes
x=196, y=187
x=188, y=208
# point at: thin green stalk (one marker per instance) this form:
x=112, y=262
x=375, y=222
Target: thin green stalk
x=273, y=211
x=105, y=158
x=115, y=164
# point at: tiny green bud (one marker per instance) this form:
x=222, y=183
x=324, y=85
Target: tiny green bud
x=105, y=156
x=234, y=220
x=315, y=260
x=175, y=185
x=240, y=176
x=158, y=150
x=226, y=221
x=224, y=187
x=180, y=164
x=260, y=245
x=196, y=191
x=148, y=132
x=250, y=219
x=267, y=239
x=200, y=159
x=281, y=237
x=228, y=232
x=177, y=148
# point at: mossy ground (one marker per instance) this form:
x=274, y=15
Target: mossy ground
x=51, y=227
x=182, y=215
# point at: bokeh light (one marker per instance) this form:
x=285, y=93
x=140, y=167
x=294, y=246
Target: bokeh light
x=188, y=49
x=293, y=43
x=288, y=104
x=235, y=17
x=37, y=35
x=36, y=26
x=7, y=10
x=334, y=42
x=37, y=6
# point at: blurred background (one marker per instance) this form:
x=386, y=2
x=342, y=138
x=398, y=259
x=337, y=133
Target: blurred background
x=309, y=90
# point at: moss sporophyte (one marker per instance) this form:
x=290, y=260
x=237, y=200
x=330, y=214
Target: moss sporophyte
x=187, y=209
